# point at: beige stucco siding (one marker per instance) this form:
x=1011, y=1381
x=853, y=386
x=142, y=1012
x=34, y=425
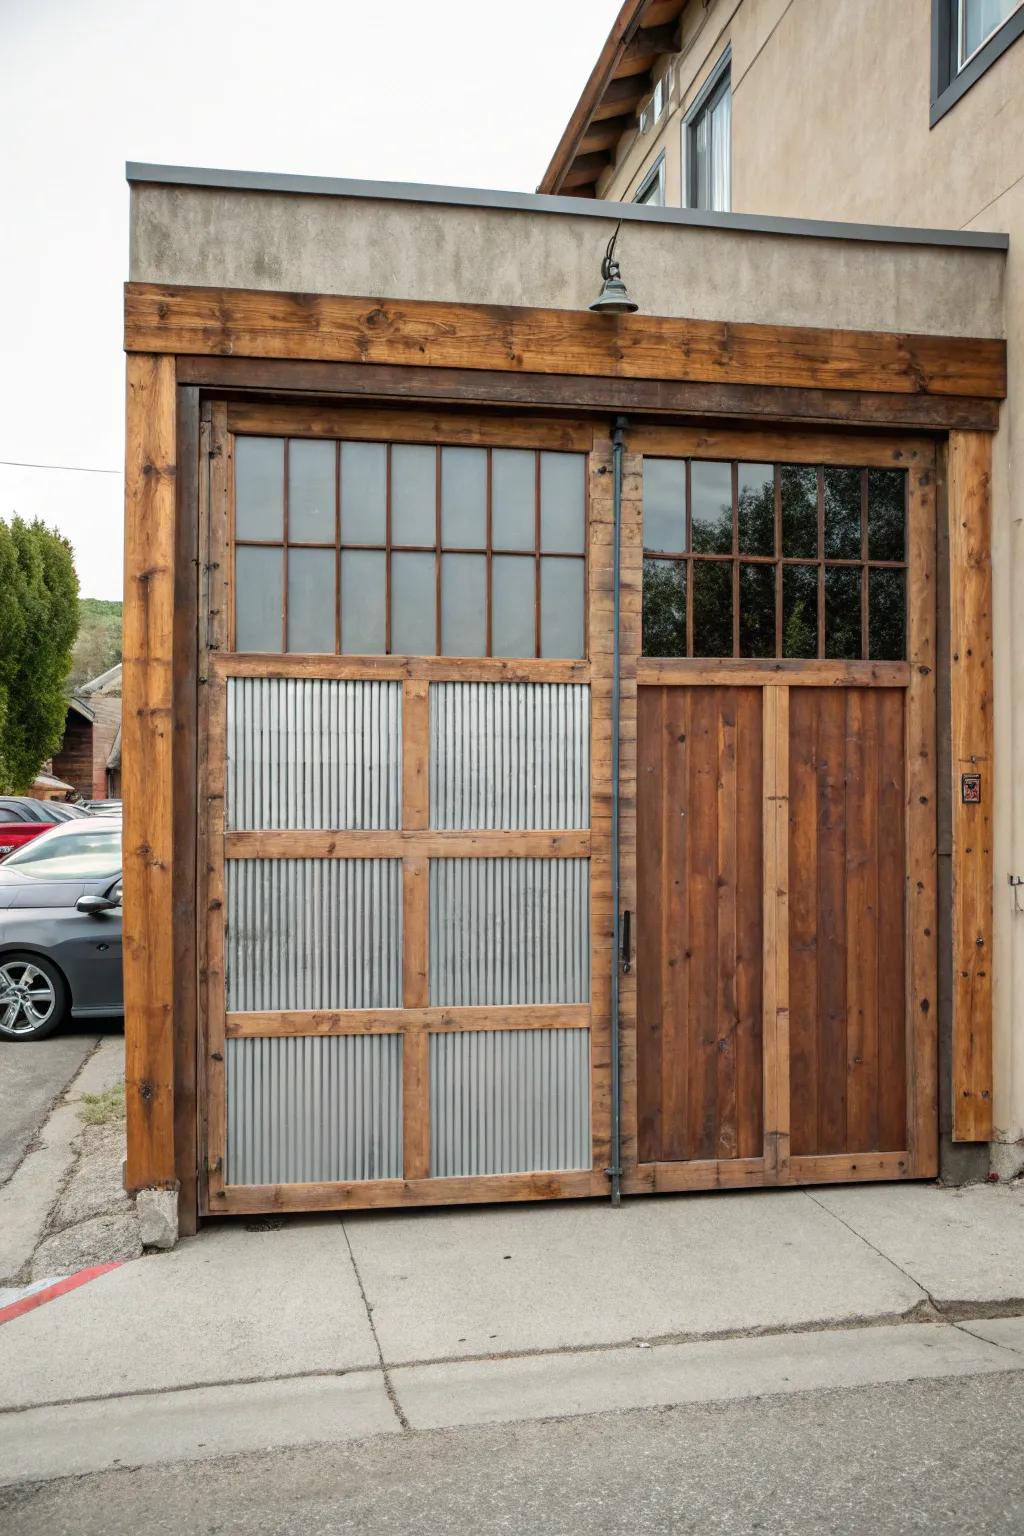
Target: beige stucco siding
x=407, y=250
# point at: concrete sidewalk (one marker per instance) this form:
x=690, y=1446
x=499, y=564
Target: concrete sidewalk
x=327, y=1329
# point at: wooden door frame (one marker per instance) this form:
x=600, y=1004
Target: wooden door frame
x=917, y=675
x=414, y=843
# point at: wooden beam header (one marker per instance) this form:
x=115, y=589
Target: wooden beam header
x=229, y=322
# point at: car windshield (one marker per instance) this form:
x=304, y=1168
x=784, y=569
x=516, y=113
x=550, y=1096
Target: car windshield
x=88, y=853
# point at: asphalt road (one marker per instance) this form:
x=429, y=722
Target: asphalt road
x=33, y=1075
x=940, y=1457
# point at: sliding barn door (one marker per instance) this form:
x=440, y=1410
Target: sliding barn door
x=405, y=835
x=785, y=861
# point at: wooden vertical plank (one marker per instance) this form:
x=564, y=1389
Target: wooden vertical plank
x=650, y=923
x=970, y=536
x=726, y=1018
x=750, y=922
x=415, y=994
x=669, y=906
x=861, y=922
x=803, y=921
x=922, y=838
x=217, y=629
x=702, y=1033
x=831, y=704
x=148, y=769
x=415, y=755
x=893, y=1001
x=185, y=769
x=775, y=875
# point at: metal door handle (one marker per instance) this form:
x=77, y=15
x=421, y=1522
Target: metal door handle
x=627, y=959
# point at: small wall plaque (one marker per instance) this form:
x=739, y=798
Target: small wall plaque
x=970, y=788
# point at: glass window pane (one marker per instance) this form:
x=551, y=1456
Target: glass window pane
x=979, y=19
x=413, y=494
x=513, y=495
x=513, y=605
x=799, y=610
x=259, y=487
x=842, y=514
x=311, y=599
x=463, y=605
x=413, y=601
x=259, y=578
x=887, y=493
x=712, y=608
x=463, y=502
x=362, y=603
x=664, y=608
x=562, y=500
x=561, y=608
x=665, y=505
x=887, y=616
x=363, y=493
x=799, y=511
x=311, y=491
x=756, y=508
x=757, y=610
x=721, y=157
x=842, y=613
x=710, y=508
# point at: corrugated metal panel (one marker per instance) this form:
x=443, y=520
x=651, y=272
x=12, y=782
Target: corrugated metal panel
x=312, y=753
x=509, y=1101
x=509, y=755
x=506, y=931
x=314, y=1109
x=314, y=933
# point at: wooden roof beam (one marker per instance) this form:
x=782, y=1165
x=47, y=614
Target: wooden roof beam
x=606, y=133
x=585, y=170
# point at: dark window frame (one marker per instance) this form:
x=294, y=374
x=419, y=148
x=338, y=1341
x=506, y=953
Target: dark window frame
x=948, y=82
x=655, y=176
x=821, y=562
x=338, y=546
x=720, y=76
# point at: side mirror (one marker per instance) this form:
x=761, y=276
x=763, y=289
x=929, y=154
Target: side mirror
x=92, y=906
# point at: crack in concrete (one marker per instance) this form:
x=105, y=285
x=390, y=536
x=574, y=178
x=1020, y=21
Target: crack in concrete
x=926, y=1293
x=389, y=1388
x=947, y=1314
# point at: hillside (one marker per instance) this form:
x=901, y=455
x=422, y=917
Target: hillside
x=99, y=639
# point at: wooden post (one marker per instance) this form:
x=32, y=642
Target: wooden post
x=775, y=736
x=971, y=751
x=148, y=769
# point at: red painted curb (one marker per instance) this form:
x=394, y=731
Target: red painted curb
x=51, y=1292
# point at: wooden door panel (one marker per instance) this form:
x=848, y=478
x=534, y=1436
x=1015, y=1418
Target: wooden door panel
x=847, y=926
x=699, y=842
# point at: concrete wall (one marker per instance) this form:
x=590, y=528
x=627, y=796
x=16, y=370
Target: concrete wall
x=831, y=121
x=428, y=250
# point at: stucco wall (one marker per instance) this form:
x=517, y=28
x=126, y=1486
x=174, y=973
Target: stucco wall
x=409, y=250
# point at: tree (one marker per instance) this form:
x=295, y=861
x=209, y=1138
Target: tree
x=38, y=625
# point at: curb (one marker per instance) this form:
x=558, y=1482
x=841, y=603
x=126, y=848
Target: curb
x=37, y=1296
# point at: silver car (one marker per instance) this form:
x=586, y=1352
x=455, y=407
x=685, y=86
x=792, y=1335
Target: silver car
x=60, y=929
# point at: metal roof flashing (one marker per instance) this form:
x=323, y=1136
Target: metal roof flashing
x=535, y=202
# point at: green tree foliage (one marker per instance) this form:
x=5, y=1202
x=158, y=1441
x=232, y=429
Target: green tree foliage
x=98, y=646
x=38, y=625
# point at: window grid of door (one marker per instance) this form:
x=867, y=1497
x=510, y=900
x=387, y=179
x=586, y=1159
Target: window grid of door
x=363, y=548
x=773, y=560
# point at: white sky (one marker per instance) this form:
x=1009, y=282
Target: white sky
x=464, y=92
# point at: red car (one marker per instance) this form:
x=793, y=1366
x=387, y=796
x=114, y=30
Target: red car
x=22, y=819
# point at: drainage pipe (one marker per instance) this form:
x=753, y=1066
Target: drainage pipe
x=615, y=1170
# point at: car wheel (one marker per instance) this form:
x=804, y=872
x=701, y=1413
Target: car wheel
x=33, y=998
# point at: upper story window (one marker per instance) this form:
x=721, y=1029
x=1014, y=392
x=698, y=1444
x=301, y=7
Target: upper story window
x=652, y=189
x=977, y=21
x=707, y=143
x=654, y=108
x=967, y=37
